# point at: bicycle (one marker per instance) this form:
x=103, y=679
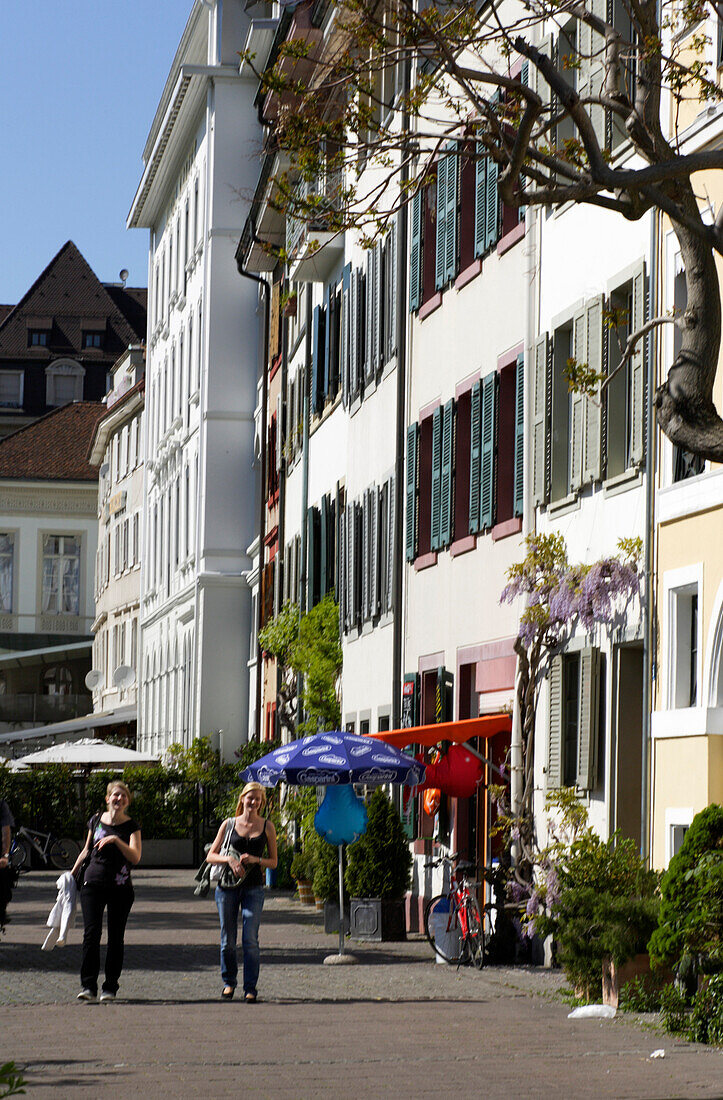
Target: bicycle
x=452, y=921
x=60, y=854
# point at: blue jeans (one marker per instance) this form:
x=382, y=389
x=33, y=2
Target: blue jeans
x=250, y=902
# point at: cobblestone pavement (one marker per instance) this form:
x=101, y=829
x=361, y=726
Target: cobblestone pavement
x=396, y=1024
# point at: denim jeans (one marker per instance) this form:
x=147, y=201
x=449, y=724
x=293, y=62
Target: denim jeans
x=250, y=902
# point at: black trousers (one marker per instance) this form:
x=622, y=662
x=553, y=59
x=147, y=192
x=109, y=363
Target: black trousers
x=93, y=900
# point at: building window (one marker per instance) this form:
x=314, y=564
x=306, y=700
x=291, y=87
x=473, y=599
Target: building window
x=11, y=389
x=7, y=556
x=38, y=338
x=61, y=575
x=63, y=383
x=625, y=399
x=574, y=714
x=92, y=339
x=685, y=646
x=57, y=680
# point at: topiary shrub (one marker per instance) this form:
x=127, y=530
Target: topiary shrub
x=690, y=930
x=380, y=863
x=706, y=1019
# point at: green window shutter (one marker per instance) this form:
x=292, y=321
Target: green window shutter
x=415, y=251
x=365, y=557
x=576, y=439
x=591, y=74
x=391, y=294
x=480, y=201
x=311, y=558
x=487, y=451
x=587, y=727
x=328, y=298
x=436, y=478
x=540, y=422
x=475, y=442
x=324, y=577
x=441, y=249
x=374, y=558
x=593, y=408
x=554, y=728
x=493, y=204
x=410, y=526
x=345, y=333
x=447, y=487
x=637, y=370
x=317, y=361
x=450, y=246
x=519, y=474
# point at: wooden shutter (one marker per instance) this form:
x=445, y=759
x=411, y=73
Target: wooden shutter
x=366, y=541
x=450, y=242
x=487, y=450
x=351, y=560
x=593, y=408
x=279, y=431
x=637, y=369
x=311, y=558
x=480, y=200
x=379, y=284
x=519, y=474
x=576, y=440
x=324, y=548
x=392, y=280
x=492, y=217
x=369, y=317
x=436, y=478
x=345, y=334
x=589, y=711
x=591, y=73
x=475, y=444
x=410, y=526
x=374, y=557
x=440, y=266
x=274, y=321
x=447, y=475
x=391, y=520
x=342, y=590
x=354, y=334
x=540, y=422
x=415, y=250
x=317, y=362
x=328, y=326
x=554, y=728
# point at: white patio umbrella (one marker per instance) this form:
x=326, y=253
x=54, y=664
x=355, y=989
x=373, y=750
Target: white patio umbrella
x=89, y=752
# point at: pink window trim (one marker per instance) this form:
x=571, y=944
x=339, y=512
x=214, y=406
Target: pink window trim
x=470, y=272
x=430, y=305
x=466, y=385
x=505, y=243
x=430, y=662
x=509, y=357
x=428, y=410
x=425, y=560
x=463, y=545
x=509, y=527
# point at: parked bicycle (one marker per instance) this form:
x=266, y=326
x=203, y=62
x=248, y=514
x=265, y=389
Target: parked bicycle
x=58, y=853
x=453, y=923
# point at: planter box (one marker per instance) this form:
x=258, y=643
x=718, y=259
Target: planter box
x=167, y=853
x=306, y=892
x=614, y=977
x=377, y=919
x=331, y=918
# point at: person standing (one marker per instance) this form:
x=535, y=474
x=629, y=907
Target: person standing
x=6, y=871
x=250, y=835
x=113, y=846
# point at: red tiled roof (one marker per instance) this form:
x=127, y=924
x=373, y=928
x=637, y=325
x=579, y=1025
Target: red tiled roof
x=55, y=447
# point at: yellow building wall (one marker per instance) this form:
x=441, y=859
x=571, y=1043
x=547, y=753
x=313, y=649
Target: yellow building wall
x=686, y=772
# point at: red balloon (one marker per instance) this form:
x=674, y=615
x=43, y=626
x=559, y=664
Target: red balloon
x=456, y=774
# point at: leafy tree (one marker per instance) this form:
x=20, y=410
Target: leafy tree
x=310, y=646
x=558, y=597
x=395, y=82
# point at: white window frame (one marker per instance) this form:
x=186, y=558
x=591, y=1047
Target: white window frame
x=19, y=376
x=681, y=584
x=63, y=368
x=675, y=816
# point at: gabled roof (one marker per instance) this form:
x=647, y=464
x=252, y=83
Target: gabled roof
x=69, y=294
x=55, y=447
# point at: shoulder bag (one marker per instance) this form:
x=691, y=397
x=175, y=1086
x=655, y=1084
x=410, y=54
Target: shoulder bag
x=221, y=873
x=79, y=873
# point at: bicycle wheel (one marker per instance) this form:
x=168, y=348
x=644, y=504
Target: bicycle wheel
x=441, y=928
x=63, y=853
x=475, y=941
x=19, y=855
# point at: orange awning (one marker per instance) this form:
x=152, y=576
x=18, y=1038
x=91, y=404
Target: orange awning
x=464, y=730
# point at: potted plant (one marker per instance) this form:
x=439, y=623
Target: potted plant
x=378, y=875
x=302, y=870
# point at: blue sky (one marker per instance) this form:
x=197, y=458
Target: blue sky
x=79, y=84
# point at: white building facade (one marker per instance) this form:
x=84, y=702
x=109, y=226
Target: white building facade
x=201, y=370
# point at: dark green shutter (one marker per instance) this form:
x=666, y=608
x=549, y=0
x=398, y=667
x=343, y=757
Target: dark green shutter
x=487, y=451
x=588, y=717
x=436, y=478
x=317, y=362
x=493, y=205
x=415, y=253
x=311, y=558
x=410, y=529
x=447, y=485
x=450, y=243
x=475, y=440
x=480, y=201
x=324, y=548
x=554, y=729
x=441, y=253
x=327, y=343
x=519, y=482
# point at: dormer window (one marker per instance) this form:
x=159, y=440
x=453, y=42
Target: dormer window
x=92, y=339
x=63, y=382
x=38, y=338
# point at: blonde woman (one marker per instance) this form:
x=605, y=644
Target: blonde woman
x=251, y=849
x=113, y=846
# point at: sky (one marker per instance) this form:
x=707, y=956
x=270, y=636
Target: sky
x=80, y=81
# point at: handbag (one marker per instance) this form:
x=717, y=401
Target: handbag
x=221, y=874
x=79, y=873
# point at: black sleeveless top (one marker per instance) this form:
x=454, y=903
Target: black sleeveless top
x=255, y=846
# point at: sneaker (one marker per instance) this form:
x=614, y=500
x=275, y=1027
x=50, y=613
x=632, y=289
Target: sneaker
x=106, y=995
x=86, y=995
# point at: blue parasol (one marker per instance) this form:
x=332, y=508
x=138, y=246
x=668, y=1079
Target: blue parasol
x=327, y=759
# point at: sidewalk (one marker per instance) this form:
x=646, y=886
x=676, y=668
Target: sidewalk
x=395, y=1024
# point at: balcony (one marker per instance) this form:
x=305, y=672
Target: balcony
x=37, y=709
x=313, y=243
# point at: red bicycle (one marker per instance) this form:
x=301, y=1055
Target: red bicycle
x=452, y=921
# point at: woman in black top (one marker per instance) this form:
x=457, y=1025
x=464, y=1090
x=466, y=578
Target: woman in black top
x=250, y=835
x=114, y=844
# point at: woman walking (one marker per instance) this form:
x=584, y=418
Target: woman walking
x=246, y=836
x=113, y=846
